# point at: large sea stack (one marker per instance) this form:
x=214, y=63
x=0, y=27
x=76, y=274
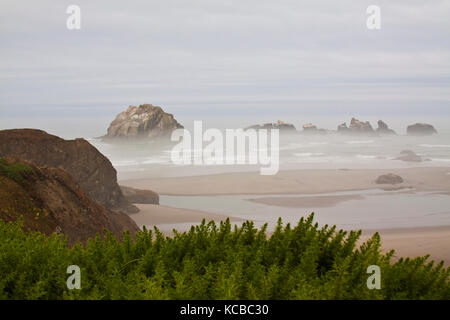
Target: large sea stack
x=146, y=122
x=90, y=169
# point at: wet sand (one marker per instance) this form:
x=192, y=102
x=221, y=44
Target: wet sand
x=306, y=202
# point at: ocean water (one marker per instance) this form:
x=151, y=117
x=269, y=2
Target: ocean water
x=146, y=160
x=329, y=151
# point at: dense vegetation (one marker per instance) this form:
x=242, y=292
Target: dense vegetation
x=213, y=262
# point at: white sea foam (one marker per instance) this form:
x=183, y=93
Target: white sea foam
x=124, y=163
x=359, y=141
x=440, y=159
x=366, y=156
x=309, y=154
x=434, y=145
x=317, y=143
x=155, y=160
x=292, y=146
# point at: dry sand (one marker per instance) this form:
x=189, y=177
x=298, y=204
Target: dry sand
x=415, y=242
x=152, y=214
x=294, y=182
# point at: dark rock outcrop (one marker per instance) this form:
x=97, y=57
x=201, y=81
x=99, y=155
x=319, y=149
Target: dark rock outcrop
x=140, y=196
x=50, y=200
x=281, y=125
x=356, y=126
x=342, y=128
x=389, y=178
x=421, y=129
x=92, y=170
x=383, y=128
x=309, y=128
x=146, y=122
x=360, y=126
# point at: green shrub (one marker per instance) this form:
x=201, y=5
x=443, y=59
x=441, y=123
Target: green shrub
x=213, y=261
x=14, y=171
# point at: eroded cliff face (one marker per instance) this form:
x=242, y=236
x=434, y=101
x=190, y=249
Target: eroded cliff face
x=93, y=171
x=145, y=122
x=50, y=200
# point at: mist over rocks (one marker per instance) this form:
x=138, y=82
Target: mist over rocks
x=91, y=169
x=284, y=127
x=365, y=128
x=309, y=128
x=384, y=129
x=421, y=129
x=356, y=126
x=410, y=156
x=144, y=122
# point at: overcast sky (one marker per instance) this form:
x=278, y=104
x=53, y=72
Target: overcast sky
x=224, y=57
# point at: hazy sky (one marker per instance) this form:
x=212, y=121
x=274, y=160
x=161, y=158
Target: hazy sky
x=224, y=57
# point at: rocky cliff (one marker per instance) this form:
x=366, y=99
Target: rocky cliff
x=50, y=200
x=144, y=122
x=93, y=171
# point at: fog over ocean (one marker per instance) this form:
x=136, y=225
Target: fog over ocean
x=324, y=151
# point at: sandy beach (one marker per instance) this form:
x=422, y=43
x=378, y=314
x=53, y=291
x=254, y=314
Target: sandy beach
x=415, y=242
x=295, y=182
x=412, y=242
x=151, y=214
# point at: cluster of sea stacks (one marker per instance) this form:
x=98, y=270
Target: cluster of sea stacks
x=150, y=123
x=356, y=127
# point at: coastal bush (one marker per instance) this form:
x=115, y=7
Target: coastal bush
x=213, y=261
x=14, y=171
